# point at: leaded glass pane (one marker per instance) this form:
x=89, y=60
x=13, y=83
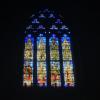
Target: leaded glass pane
x=28, y=61
x=54, y=61
x=41, y=61
x=55, y=73
x=67, y=61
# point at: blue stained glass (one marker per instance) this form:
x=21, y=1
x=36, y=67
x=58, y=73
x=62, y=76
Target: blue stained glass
x=68, y=74
x=29, y=36
x=41, y=74
x=58, y=21
x=41, y=27
x=35, y=21
x=41, y=16
x=51, y=16
x=64, y=27
x=53, y=35
x=66, y=37
x=53, y=41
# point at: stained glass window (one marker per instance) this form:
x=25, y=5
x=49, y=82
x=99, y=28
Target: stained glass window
x=67, y=61
x=47, y=52
x=54, y=61
x=28, y=61
x=41, y=61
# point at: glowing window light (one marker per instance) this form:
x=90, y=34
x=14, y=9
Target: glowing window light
x=35, y=21
x=58, y=21
x=54, y=61
x=64, y=27
x=51, y=16
x=67, y=62
x=41, y=61
x=53, y=27
x=28, y=61
x=42, y=16
x=42, y=37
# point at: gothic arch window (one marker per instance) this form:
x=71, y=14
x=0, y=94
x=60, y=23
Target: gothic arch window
x=41, y=61
x=47, y=52
x=28, y=61
x=54, y=61
x=67, y=61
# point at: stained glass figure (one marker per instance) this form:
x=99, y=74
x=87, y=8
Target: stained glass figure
x=67, y=61
x=54, y=48
x=28, y=61
x=66, y=50
x=41, y=73
x=41, y=27
x=68, y=73
x=35, y=21
x=41, y=61
x=54, y=61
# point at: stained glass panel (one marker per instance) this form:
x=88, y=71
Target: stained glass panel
x=28, y=61
x=41, y=73
x=41, y=48
x=67, y=61
x=66, y=50
x=48, y=55
x=54, y=61
x=68, y=73
x=55, y=73
x=54, y=50
x=41, y=61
